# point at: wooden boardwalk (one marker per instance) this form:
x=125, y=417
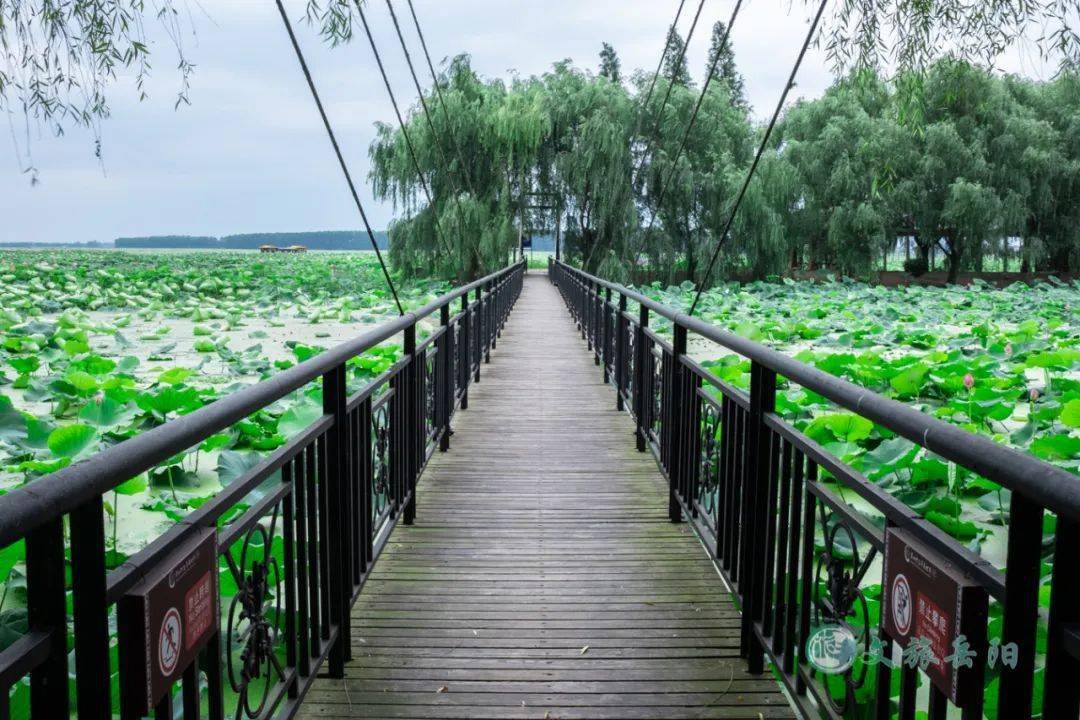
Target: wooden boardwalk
x=542, y=578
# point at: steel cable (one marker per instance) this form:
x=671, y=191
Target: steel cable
x=404, y=131
x=337, y=151
x=760, y=152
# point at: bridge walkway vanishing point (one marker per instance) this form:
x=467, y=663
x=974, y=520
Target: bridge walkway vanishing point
x=542, y=577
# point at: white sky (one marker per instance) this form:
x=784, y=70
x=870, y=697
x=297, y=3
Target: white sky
x=250, y=154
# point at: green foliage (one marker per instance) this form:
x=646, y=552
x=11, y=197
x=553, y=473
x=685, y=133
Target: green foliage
x=722, y=54
x=963, y=162
x=610, y=67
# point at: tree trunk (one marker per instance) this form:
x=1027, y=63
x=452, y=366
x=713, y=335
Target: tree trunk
x=954, y=253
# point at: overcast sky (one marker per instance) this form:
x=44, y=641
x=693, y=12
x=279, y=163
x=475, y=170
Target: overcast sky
x=250, y=154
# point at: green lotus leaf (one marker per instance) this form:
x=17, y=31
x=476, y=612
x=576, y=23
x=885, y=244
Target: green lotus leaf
x=1056, y=447
x=24, y=365
x=106, y=412
x=135, y=486
x=71, y=441
x=1070, y=414
x=909, y=382
x=297, y=418
x=13, y=428
x=846, y=427
x=232, y=465
x=175, y=376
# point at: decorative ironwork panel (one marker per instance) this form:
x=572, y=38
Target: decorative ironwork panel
x=656, y=390
x=380, y=465
x=454, y=332
x=254, y=621
x=709, y=460
x=431, y=423
x=838, y=599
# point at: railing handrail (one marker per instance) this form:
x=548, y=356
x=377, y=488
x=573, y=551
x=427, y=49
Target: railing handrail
x=1052, y=487
x=61, y=492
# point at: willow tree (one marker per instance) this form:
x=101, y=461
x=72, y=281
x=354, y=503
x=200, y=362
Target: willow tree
x=468, y=227
x=688, y=179
x=838, y=146
x=1049, y=158
x=591, y=122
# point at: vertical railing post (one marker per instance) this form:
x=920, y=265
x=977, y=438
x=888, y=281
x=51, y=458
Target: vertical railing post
x=1062, y=693
x=465, y=345
x=489, y=321
x=46, y=611
x=600, y=313
x=366, y=482
x=755, y=489
x=1020, y=622
x=336, y=488
x=444, y=391
x=640, y=390
x=674, y=415
x=691, y=446
x=478, y=332
x=620, y=352
x=410, y=423
x=91, y=612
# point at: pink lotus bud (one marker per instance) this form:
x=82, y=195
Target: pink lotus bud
x=1008, y=350
x=1033, y=393
x=969, y=381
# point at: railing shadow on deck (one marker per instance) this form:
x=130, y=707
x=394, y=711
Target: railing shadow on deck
x=766, y=499
x=333, y=494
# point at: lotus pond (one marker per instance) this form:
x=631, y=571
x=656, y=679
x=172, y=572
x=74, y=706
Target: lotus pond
x=97, y=346
x=1004, y=363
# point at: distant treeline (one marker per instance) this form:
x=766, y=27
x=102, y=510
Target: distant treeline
x=90, y=244
x=326, y=240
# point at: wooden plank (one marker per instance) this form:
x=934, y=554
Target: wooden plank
x=542, y=578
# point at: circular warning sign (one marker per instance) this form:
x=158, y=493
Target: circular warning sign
x=169, y=642
x=901, y=604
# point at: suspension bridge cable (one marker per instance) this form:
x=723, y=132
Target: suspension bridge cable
x=431, y=124
x=760, y=152
x=667, y=95
x=659, y=66
x=442, y=102
x=665, y=181
x=337, y=151
x=404, y=131
x=419, y=90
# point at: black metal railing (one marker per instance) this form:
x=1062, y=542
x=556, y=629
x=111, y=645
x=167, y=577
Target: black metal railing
x=768, y=502
x=297, y=533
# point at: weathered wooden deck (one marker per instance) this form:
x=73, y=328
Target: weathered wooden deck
x=542, y=578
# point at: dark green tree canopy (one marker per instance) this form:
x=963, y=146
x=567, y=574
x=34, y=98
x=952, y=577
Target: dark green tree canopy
x=726, y=71
x=676, y=68
x=609, y=64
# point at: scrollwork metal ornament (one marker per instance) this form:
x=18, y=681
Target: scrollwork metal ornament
x=251, y=633
x=656, y=404
x=709, y=459
x=838, y=599
x=380, y=459
x=430, y=375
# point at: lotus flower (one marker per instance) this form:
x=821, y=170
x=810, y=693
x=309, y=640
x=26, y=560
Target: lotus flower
x=969, y=381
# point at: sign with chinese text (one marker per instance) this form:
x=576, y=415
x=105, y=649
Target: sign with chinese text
x=165, y=621
x=930, y=606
